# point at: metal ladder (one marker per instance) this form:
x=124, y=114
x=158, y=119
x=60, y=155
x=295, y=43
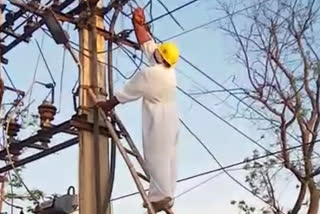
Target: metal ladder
x=131, y=151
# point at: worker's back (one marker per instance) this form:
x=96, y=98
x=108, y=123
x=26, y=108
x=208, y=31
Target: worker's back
x=161, y=84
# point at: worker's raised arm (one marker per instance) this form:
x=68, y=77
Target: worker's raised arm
x=143, y=36
x=140, y=29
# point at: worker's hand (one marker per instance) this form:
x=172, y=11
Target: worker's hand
x=138, y=16
x=108, y=105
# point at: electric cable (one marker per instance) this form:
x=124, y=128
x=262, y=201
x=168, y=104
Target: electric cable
x=36, y=70
x=61, y=78
x=170, y=14
x=46, y=63
x=213, y=21
x=221, y=118
x=220, y=165
x=9, y=78
x=172, y=11
x=138, y=66
x=248, y=160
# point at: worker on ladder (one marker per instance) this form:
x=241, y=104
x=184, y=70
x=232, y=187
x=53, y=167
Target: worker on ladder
x=156, y=84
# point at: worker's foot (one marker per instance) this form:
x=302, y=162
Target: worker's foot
x=163, y=204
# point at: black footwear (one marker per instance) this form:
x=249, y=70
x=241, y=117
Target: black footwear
x=160, y=205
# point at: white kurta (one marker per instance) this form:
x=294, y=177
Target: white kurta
x=156, y=84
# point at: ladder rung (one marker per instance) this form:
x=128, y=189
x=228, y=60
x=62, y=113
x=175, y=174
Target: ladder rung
x=131, y=152
x=143, y=176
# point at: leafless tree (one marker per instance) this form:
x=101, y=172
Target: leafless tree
x=279, y=47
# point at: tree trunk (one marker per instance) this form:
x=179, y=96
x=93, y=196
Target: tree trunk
x=314, y=200
x=302, y=193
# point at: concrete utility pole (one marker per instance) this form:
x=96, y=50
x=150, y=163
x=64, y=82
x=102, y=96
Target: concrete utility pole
x=93, y=154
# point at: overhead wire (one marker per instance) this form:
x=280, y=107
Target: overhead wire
x=203, y=73
x=138, y=66
x=9, y=78
x=204, y=182
x=213, y=21
x=170, y=14
x=236, y=129
x=211, y=79
x=11, y=190
x=61, y=78
x=12, y=113
x=150, y=25
x=45, y=62
x=223, y=120
x=76, y=44
x=248, y=160
x=220, y=117
x=215, y=91
x=5, y=134
x=10, y=204
x=198, y=185
x=36, y=70
x=220, y=164
x=10, y=161
x=10, y=183
x=220, y=85
x=172, y=11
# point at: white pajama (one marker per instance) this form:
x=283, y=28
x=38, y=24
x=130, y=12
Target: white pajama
x=156, y=85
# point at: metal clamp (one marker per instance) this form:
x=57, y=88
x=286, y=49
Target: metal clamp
x=73, y=189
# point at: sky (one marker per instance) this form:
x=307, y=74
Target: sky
x=210, y=49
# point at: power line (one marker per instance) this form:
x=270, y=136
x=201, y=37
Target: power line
x=61, y=77
x=221, y=168
x=236, y=129
x=170, y=14
x=198, y=185
x=8, y=76
x=221, y=118
x=5, y=137
x=213, y=21
x=206, y=75
x=172, y=11
x=7, y=119
x=45, y=62
x=125, y=50
x=219, y=163
x=217, y=83
x=36, y=70
x=232, y=93
x=215, y=91
x=203, y=182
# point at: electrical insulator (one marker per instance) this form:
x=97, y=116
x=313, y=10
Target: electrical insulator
x=15, y=151
x=9, y=19
x=29, y=25
x=47, y=111
x=12, y=129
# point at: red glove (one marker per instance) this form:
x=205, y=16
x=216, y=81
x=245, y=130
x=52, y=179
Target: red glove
x=138, y=16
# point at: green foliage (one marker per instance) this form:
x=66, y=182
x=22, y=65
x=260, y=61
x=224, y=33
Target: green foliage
x=16, y=190
x=29, y=120
x=260, y=182
x=244, y=207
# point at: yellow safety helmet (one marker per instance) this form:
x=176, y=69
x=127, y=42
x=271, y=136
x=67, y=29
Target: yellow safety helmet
x=169, y=52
